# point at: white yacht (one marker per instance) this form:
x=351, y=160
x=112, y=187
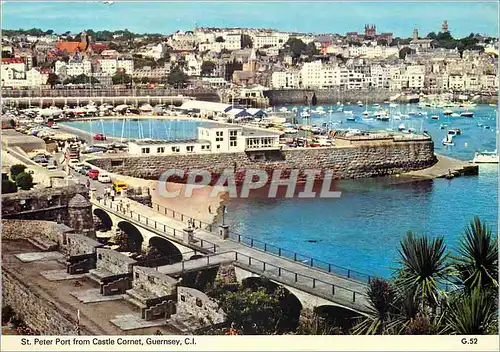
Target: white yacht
x=486, y=157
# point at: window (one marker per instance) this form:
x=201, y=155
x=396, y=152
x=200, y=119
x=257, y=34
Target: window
x=183, y=298
x=232, y=143
x=160, y=150
x=233, y=133
x=100, y=256
x=190, y=148
x=199, y=303
x=136, y=275
x=176, y=149
x=145, y=150
x=218, y=146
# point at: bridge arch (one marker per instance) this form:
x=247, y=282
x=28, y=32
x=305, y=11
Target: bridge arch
x=337, y=317
x=134, y=237
x=289, y=303
x=164, y=248
x=106, y=221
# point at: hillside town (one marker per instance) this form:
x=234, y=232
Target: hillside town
x=217, y=58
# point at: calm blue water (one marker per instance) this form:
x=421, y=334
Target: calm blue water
x=143, y=128
x=362, y=229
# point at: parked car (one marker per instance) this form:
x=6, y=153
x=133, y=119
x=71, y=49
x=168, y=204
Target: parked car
x=99, y=137
x=104, y=178
x=78, y=167
x=85, y=169
x=93, y=174
x=41, y=159
x=119, y=186
x=73, y=162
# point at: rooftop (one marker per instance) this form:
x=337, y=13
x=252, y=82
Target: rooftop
x=178, y=141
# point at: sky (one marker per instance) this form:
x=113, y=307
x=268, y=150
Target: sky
x=316, y=17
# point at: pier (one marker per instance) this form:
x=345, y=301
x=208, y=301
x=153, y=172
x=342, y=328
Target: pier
x=445, y=167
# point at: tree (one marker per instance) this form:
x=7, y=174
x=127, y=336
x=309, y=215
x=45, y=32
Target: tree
x=295, y=47
x=120, y=77
x=16, y=170
x=246, y=41
x=24, y=181
x=381, y=298
x=432, y=35
x=382, y=42
x=207, y=68
x=310, y=49
x=8, y=186
x=473, y=314
x=177, y=77
x=7, y=54
x=219, y=40
x=477, y=263
x=423, y=266
x=53, y=79
x=405, y=51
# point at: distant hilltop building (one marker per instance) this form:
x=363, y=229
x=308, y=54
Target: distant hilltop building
x=415, y=34
x=370, y=31
x=83, y=46
x=444, y=27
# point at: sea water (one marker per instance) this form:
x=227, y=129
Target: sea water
x=362, y=229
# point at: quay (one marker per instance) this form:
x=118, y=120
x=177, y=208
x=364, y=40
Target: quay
x=445, y=167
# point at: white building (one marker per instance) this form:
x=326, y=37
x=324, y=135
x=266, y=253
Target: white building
x=153, y=51
x=212, y=139
x=416, y=76
x=33, y=78
x=456, y=82
x=232, y=41
x=74, y=68
x=281, y=80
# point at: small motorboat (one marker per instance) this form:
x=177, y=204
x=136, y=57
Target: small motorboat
x=401, y=127
x=455, y=131
x=455, y=115
x=447, y=112
x=487, y=127
x=435, y=117
x=448, y=140
x=351, y=118
x=443, y=126
x=479, y=124
x=467, y=114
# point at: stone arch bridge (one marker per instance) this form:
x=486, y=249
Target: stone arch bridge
x=312, y=287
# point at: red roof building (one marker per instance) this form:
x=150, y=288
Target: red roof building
x=71, y=47
x=13, y=60
x=99, y=47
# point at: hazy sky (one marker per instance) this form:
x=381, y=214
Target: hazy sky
x=318, y=17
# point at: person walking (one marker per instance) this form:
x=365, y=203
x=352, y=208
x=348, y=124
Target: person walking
x=112, y=195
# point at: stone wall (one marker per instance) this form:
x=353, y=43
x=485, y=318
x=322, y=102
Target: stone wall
x=36, y=311
x=153, y=281
x=113, y=261
x=79, y=244
x=328, y=96
x=332, y=96
x=13, y=229
x=367, y=160
x=196, y=303
x=47, y=204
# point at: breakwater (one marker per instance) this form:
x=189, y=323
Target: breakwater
x=332, y=96
x=361, y=159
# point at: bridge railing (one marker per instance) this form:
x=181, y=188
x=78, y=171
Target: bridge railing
x=157, y=225
x=301, y=258
x=182, y=217
x=272, y=249
x=326, y=288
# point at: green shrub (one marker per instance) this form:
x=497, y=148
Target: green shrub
x=16, y=170
x=24, y=181
x=8, y=186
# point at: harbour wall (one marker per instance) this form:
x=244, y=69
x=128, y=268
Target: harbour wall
x=332, y=96
x=374, y=158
